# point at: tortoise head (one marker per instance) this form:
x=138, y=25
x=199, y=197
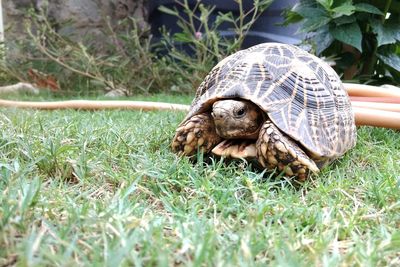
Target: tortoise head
x=237, y=119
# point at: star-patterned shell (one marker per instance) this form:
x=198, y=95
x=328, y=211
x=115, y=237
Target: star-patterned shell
x=302, y=95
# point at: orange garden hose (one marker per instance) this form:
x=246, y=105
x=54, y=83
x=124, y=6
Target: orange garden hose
x=354, y=89
x=370, y=111
x=94, y=105
x=377, y=105
x=382, y=99
x=377, y=118
x=376, y=115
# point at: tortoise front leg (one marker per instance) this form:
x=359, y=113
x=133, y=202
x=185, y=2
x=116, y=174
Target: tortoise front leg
x=274, y=149
x=197, y=133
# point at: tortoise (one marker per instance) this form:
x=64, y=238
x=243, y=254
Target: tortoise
x=275, y=102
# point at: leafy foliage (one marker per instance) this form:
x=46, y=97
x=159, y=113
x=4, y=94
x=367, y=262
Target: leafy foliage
x=364, y=36
x=200, y=35
x=130, y=60
x=120, y=60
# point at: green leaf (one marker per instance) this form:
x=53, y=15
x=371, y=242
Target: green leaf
x=323, y=39
x=327, y=4
x=364, y=7
x=346, y=9
x=224, y=17
x=310, y=12
x=312, y=24
x=291, y=17
x=305, y=9
x=387, y=33
x=168, y=11
x=389, y=57
x=395, y=240
x=183, y=37
x=345, y=20
x=349, y=34
x=263, y=5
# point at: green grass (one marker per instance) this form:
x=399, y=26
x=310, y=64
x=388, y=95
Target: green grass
x=46, y=95
x=103, y=188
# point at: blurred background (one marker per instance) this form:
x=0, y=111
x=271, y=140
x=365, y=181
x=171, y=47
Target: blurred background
x=127, y=47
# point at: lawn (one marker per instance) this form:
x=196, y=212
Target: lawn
x=103, y=188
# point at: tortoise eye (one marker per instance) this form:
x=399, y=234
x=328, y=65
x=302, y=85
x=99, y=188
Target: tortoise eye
x=240, y=112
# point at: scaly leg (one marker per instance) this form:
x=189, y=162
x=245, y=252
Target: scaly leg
x=274, y=149
x=197, y=133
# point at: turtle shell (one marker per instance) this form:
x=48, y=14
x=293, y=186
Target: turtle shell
x=302, y=95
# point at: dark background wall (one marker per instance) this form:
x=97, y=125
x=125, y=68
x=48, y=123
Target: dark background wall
x=81, y=18
x=77, y=18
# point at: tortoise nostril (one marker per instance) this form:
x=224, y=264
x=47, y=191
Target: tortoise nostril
x=217, y=115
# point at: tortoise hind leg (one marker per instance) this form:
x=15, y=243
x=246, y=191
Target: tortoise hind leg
x=197, y=133
x=274, y=149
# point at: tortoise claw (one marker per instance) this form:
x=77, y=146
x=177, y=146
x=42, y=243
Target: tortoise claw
x=197, y=133
x=275, y=150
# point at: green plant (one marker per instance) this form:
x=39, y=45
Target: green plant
x=122, y=60
x=125, y=60
x=130, y=61
x=200, y=35
x=363, y=36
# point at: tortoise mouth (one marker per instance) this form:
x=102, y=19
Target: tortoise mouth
x=236, y=148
